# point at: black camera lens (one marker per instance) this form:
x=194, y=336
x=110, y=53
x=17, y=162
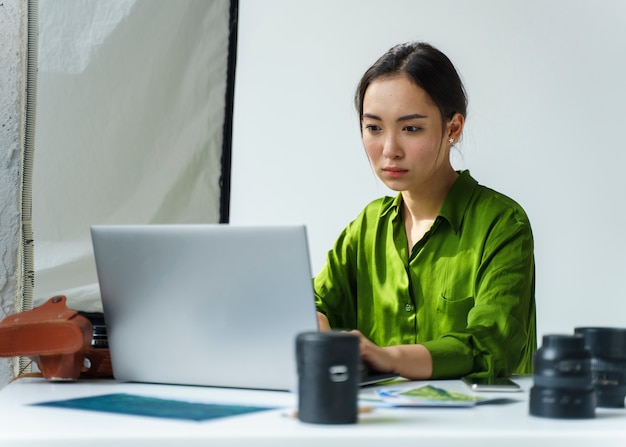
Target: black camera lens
x=562, y=385
x=608, y=363
x=328, y=377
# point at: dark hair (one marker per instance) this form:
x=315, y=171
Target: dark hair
x=428, y=68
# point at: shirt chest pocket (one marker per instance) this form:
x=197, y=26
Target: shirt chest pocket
x=452, y=313
x=456, y=299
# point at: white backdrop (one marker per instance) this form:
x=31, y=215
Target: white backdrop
x=545, y=80
x=129, y=127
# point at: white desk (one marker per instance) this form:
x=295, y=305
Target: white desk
x=485, y=425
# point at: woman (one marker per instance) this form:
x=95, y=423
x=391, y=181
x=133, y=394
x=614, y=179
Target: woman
x=438, y=282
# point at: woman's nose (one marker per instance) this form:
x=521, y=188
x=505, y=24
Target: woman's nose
x=391, y=148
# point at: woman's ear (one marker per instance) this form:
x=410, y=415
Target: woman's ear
x=455, y=128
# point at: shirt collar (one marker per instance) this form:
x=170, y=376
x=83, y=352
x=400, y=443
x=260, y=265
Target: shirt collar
x=455, y=203
x=395, y=206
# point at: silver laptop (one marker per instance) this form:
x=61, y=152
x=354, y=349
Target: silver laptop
x=213, y=305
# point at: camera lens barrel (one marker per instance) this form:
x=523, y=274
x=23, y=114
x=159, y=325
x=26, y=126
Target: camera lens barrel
x=608, y=363
x=562, y=382
x=328, y=377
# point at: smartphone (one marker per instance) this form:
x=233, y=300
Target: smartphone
x=498, y=384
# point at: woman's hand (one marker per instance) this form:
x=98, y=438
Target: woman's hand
x=322, y=322
x=376, y=357
x=410, y=361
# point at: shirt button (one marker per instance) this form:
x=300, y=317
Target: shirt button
x=408, y=308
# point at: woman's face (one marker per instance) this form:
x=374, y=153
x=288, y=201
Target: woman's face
x=403, y=135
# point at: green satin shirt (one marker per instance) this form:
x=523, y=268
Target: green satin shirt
x=465, y=291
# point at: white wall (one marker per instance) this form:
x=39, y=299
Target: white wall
x=545, y=80
x=12, y=86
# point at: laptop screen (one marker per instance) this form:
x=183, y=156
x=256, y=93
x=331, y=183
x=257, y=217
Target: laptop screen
x=215, y=304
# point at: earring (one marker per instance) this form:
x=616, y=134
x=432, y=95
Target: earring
x=451, y=140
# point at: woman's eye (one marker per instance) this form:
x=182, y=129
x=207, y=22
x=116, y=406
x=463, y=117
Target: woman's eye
x=373, y=128
x=412, y=128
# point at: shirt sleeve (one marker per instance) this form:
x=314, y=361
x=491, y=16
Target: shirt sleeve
x=333, y=285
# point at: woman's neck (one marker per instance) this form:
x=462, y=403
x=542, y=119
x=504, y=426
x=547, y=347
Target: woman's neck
x=425, y=202
x=421, y=207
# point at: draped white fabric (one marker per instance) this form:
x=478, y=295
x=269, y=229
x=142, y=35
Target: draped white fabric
x=130, y=110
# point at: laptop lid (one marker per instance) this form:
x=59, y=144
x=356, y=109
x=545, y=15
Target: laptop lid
x=213, y=305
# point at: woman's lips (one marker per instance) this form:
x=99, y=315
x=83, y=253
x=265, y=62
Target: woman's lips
x=393, y=171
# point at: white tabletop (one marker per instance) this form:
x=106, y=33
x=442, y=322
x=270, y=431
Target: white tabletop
x=509, y=424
